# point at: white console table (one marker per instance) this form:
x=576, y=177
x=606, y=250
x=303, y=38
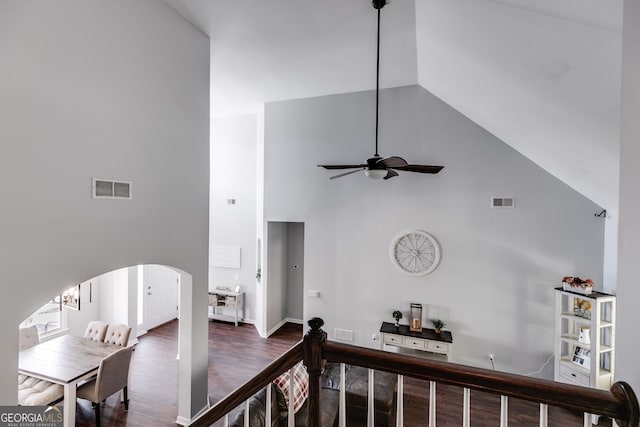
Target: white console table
x=427, y=340
x=226, y=305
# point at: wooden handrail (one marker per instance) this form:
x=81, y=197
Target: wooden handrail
x=245, y=391
x=562, y=395
x=619, y=403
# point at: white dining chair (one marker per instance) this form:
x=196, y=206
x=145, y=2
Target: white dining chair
x=118, y=334
x=34, y=391
x=96, y=330
x=113, y=376
x=28, y=337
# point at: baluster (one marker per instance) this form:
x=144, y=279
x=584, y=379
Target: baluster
x=504, y=411
x=343, y=397
x=544, y=415
x=400, y=402
x=290, y=417
x=370, y=401
x=268, y=405
x=226, y=420
x=247, y=416
x=466, y=408
x=432, y=404
x=587, y=420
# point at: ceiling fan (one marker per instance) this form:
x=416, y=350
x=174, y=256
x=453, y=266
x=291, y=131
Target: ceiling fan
x=378, y=167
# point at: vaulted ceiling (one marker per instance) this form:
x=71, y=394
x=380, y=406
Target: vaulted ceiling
x=542, y=75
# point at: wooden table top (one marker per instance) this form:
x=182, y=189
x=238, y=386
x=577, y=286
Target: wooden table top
x=64, y=359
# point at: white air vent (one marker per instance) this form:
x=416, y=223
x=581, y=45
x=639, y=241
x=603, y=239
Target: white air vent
x=343, y=334
x=109, y=189
x=503, y=202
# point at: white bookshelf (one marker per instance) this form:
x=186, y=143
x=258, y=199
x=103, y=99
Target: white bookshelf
x=577, y=362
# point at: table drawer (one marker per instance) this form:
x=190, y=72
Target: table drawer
x=573, y=376
x=392, y=339
x=413, y=343
x=437, y=347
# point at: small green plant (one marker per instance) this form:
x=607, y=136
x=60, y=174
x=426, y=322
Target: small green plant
x=438, y=324
x=397, y=315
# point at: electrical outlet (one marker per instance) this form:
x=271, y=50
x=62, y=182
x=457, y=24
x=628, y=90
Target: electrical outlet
x=491, y=357
x=374, y=337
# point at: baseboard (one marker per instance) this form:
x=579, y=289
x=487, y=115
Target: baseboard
x=275, y=328
x=281, y=324
x=185, y=421
x=297, y=321
x=182, y=421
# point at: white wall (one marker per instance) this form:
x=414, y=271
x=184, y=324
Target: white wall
x=104, y=298
x=544, y=76
x=276, y=274
x=295, y=276
x=233, y=176
x=109, y=89
x=77, y=320
x=494, y=286
x=628, y=290
x=113, y=296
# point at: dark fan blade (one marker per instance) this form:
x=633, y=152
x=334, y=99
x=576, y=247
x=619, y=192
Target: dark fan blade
x=391, y=173
x=420, y=168
x=342, y=166
x=393, y=162
x=346, y=173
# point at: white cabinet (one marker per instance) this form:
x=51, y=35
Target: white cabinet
x=585, y=338
x=426, y=340
x=226, y=305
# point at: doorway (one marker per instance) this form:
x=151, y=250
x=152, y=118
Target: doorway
x=285, y=274
x=158, y=289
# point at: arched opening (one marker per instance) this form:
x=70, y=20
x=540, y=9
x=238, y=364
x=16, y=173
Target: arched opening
x=142, y=297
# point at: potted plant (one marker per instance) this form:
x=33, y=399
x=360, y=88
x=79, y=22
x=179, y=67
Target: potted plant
x=438, y=325
x=397, y=315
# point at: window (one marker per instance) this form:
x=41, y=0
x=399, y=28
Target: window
x=47, y=318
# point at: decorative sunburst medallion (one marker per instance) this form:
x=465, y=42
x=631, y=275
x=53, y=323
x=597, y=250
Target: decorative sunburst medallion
x=415, y=252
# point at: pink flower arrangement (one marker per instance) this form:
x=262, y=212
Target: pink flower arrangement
x=576, y=283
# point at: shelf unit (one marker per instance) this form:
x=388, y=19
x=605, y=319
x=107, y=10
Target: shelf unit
x=588, y=363
x=432, y=345
x=226, y=305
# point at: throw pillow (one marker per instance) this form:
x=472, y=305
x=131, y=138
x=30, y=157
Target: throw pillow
x=300, y=385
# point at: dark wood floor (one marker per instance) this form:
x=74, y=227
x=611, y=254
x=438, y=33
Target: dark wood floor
x=238, y=353
x=235, y=355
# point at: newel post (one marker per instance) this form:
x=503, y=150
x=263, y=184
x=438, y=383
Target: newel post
x=312, y=357
x=625, y=394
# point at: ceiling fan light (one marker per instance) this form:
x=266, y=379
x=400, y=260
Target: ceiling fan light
x=375, y=173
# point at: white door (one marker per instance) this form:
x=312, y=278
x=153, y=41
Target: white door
x=160, y=295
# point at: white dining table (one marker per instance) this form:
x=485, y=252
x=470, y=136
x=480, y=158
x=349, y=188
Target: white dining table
x=65, y=360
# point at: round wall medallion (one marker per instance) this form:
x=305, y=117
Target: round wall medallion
x=415, y=252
